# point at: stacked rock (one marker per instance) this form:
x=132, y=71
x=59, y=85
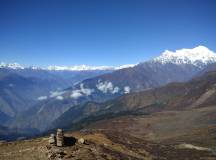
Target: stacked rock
x=52, y=140
x=60, y=138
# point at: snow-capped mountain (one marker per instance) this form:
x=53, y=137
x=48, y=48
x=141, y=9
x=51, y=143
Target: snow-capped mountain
x=178, y=66
x=197, y=56
x=11, y=65
x=87, y=68
x=17, y=66
x=79, y=68
x=65, y=68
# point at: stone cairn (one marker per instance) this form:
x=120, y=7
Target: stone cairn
x=52, y=139
x=60, y=138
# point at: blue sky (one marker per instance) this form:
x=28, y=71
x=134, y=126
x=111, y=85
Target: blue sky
x=102, y=32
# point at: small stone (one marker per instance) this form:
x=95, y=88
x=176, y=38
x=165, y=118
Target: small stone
x=68, y=156
x=81, y=141
x=52, y=139
x=51, y=155
x=48, y=147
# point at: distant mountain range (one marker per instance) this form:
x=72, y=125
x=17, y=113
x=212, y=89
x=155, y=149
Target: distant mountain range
x=179, y=66
x=18, y=66
x=22, y=88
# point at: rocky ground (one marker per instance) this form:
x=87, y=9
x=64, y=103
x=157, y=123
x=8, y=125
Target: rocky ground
x=100, y=145
x=169, y=135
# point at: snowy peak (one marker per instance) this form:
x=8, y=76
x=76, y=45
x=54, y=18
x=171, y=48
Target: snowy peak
x=65, y=68
x=11, y=65
x=87, y=68
x=200, y=55
x=125, y=66
x=79, y=68
x=17, y=66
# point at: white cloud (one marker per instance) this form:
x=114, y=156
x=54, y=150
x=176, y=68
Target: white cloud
x=81, y=92
x=86, y=91
x=127, y=89
x=42, y=98
x=56, y=93
x=76, y=94
x=115, y=90
x=59, y=97
x=106, y=87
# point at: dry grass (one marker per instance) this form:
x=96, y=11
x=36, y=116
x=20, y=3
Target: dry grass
x=101, y=139
x=24, y=150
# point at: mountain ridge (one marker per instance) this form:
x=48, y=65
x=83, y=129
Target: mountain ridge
x=196, y=94
x=64, y=68
x=143, y=76
x=195, y=56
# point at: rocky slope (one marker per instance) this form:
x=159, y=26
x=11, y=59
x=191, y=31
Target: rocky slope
x=103, y=146
x=199, y=92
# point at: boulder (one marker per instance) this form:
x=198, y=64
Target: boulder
x=81, y=141
x=52, y=140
